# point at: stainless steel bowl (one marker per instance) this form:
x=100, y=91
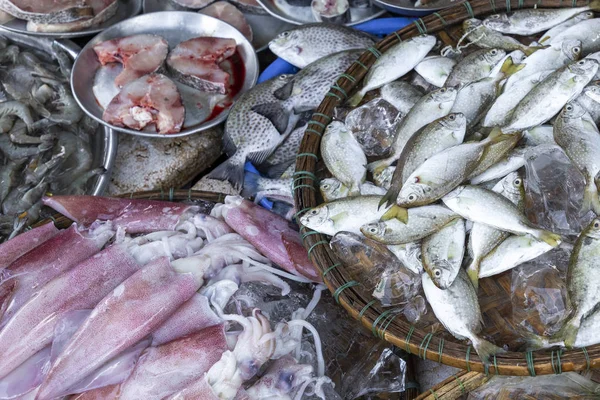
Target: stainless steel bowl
x=264, y=27
x=407, y=7
x=175, y=27
x=127, y=9
x=303, y=15
x=105, y=144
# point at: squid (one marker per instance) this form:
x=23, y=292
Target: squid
x=26, y=275
x=282, y=378
x=210, y=228
x=25, y=242
x=133, y=215
x=103, y=393
x=270, y=234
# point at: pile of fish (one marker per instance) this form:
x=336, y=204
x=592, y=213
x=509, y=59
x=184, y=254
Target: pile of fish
x=128, y=303
x=145, y=96
x=60, y=16
x=445, y=200
x=45, y=140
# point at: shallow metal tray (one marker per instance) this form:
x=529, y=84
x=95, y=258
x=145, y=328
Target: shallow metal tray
x=407, y=7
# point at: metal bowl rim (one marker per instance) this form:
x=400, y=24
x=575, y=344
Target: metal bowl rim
x=392, y=4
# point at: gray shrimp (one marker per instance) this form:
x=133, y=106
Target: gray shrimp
x=8, y=175
x=9, y=54
x=68, y=111
x=79, y=185
x=63, y=59
x=42, y=170
x=6, y=123
x=23, y=197
x=3, y=42
x=18, y=109
x=16, y=152
x=31, y=60
x=80, y=159
x=18, y=134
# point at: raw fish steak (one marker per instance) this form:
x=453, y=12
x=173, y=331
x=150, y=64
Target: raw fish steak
x=195, y=63
x=48, y=12
x=191, y=4
x=151, y=99
x=230, y=14
x=250, y=6
x=103, y=11
x=139, y=54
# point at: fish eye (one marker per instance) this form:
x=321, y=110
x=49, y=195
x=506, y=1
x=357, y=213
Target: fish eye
x=412, y=197
x=494, y=52
x=314, y=212
x=373, y=230
x=443, y=90
x=285, y=34
x=596, y=224
x=517, y=182
x=326, y=186
x=452, y=117
x=582, y=62
x=437, y=273
x=576, y=50
x=569, y=107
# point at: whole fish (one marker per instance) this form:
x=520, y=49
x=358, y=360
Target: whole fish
x=583, y=281
x=457, y=308
x=442, y=173
x=487, y=207
x=513, y=251
x=344, y=157
x=402, y=95
x=347, y=214
x=254, y=184
x=308, y=43
x=332, y=189
x=443, y=253
x=495, y=152
x=421, y=222
x=397, y=61
x=535, y=20
x=435, y=69
x=502, y=109
x=430, y=107
x=548, y=97
x=475, y=66
x=586, y=31
x=249, y=135
x=409, y=254
x=578, y=135
x=513, y=161
x=590, y=100
x=482, y=36
x=484, y=238
x=548, y=59
x=306, y=89
x=553, y=32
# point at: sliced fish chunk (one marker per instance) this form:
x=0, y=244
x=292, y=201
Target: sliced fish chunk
x=195, y=63
x=139, y=54
x=151, y=99
x=48, y=12
x=103, y=11
x=229, y=13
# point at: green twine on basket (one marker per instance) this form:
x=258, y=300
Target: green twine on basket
x=467, y=5
x=388, y=324
x=398, y=36
x=327, y=117
x=460, y=383
x=520, y=3
x=328, y=270
x=468, y=355
x=53, y=219
x=313, y=122
x=530, y=366
x=349, y=77
x=434, y=395
x=369, y=304
x=425, y=342
x=305, y=174
x=308, y=155
x=381, y=316
x=440, y=350
x=171, y=194
x=417, y=23
x=331, y=94
x=410, y=332
x=507, y=6
x=309, y=233
x=362, y=65
x=301, y=211
x=495, y=365
x=315, y=245
x=493, y=5
x=304, y=185
x=336, y=294
x=486, y=369
x=556, y=368
x=190, y=194
x=339, y=89
x=442, y=18
x=587, y=359
x=374, y=51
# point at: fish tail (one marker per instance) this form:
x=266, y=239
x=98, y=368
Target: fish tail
x=388, y=198
x=354, y=189
x=569, y=331
x=546, y=236
x=400, y=213
x=529, y=50
x=473, y=272
x=535, y=342
x=376, y=167
x=509, y=67
x=231, y=170
x=591, y=198
x=356, y=99
x=251, y=186
x=485, y=349
x=277, y=113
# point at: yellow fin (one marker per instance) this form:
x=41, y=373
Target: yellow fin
x=400, y=213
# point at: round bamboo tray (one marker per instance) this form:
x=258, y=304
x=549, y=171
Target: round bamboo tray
x=386, y=323
x=455, y=386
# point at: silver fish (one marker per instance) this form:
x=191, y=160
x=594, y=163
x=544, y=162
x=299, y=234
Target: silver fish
x=285, y=154
x=402, y=95
x=475, y=98
x=430, y=107
x=421, y=222
x=553, y=32
x=347, y=214
x=583, y=280
x=443, y=253
x=548, y=97
x=539, y=135
x=397, y=61
x=475, y=66
x=495, y=152
x=332, y=189
x=305, y=91
x=588, y=32
x=513, y=251
x=517, y=57
x=343, y=156
x=513, y=161
x=308, y=43
x=409, y=255
x=249, y=135
x=487, y=207
x=484, y=238
x=590, y=100
x=435, y=69
x=578, y=135
x=457, y=308
x=383, y=178
x=531, y=21
x=254, y=183
x=482, y=36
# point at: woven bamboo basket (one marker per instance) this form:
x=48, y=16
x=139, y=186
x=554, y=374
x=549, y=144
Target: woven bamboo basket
x=386, y=323
x=455, y=386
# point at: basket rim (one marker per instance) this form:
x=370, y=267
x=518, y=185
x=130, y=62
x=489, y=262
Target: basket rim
x=383, y=321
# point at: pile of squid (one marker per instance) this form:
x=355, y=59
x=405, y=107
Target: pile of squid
x=45, y=140
x=128, y=303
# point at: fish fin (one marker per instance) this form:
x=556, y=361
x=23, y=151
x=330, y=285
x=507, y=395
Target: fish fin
x=532, y=49
x=569, y=331
x=284, y=92
x=485, y=349
x=231, y=171
x=473, y=273
x=509, y=67
x=400, y=213
x=229, y=146
x=276, y=170
x=276, y=113
x=591, y=198
x=354, y=190
x=546, y=236
x=260, y=157
x=338, y=217
x=356, y=99
x=377, y=167
x=250, y=185
x=389, y=197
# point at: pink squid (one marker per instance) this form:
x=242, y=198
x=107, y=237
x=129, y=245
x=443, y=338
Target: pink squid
x=131, y=312
x=168, y=368
x=103, y=393
x=133, y=215
x=210, y=228
x=30, y=272
x=31, y=328
x=270, y=234
x=16, y=247
x=281, y=379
